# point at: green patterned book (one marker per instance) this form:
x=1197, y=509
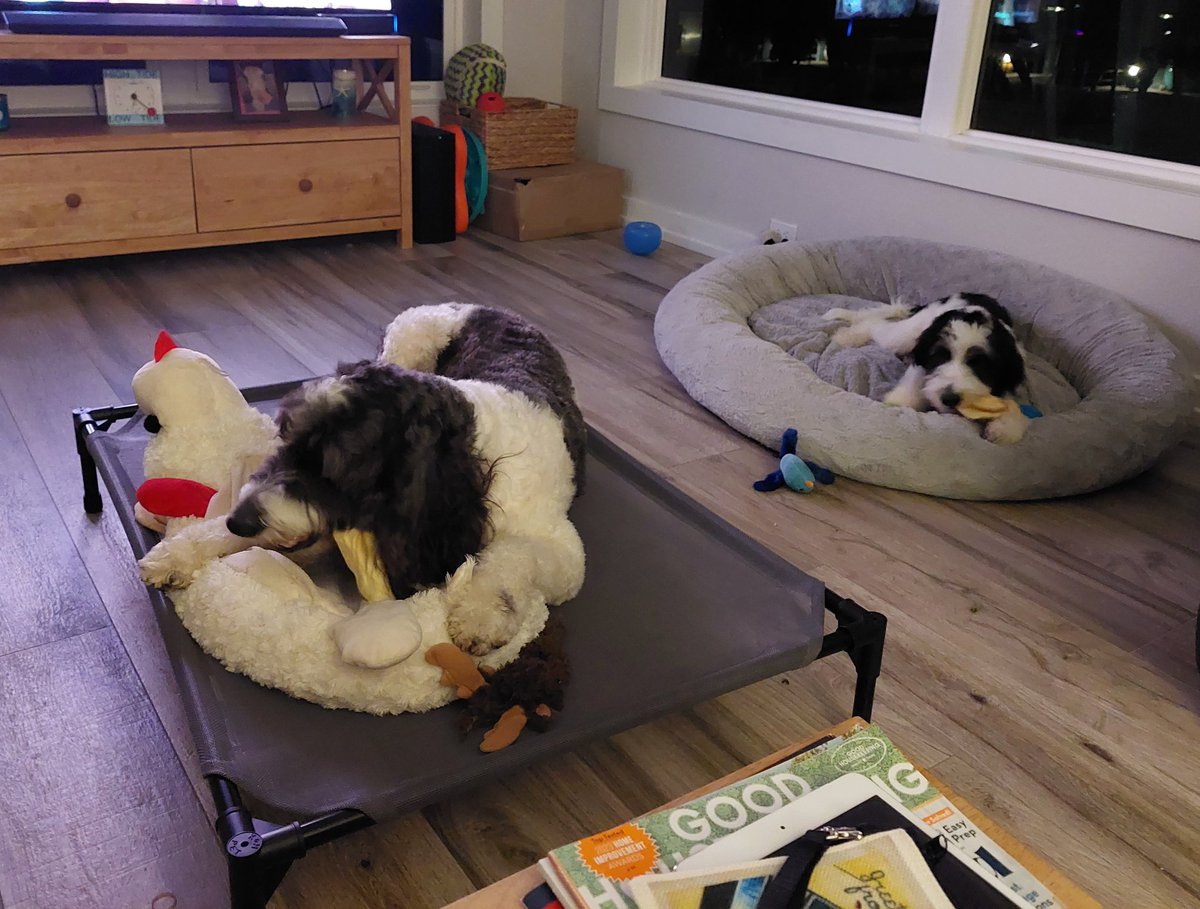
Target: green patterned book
x=596, y=870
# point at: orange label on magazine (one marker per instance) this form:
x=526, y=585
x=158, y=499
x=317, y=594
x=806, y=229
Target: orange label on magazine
x=622, y=853
x=938, y=816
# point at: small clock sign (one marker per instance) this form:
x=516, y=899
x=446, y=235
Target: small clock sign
x=133, y=97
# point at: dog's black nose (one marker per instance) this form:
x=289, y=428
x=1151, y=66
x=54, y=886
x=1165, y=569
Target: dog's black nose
x=245, y=520
x=951, y=398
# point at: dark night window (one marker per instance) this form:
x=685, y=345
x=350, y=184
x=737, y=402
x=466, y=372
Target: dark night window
x=860, y=53
x=1121, y=76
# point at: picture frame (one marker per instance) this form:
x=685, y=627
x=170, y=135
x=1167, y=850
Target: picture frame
x=256, y=90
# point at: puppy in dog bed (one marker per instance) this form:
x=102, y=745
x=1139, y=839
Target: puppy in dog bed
x=462, y=445
x=959, y=349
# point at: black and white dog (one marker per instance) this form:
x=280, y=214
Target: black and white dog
x=460, y=449
x=960, y=347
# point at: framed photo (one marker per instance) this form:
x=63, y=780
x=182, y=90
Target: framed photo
x=256, y=90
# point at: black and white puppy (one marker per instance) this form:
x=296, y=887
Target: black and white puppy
x=460, y=449
x=960, y=347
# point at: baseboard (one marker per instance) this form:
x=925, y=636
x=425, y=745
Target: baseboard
x=711, y=238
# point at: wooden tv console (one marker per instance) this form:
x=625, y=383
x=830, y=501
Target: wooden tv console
x=75, y=186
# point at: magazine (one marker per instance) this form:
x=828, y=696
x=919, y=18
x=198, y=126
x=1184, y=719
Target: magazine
x=595, y=871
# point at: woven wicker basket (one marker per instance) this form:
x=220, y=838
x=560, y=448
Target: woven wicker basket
x=528, y=133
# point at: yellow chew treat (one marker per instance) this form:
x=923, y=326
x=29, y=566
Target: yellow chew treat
x=984, y=407
x=362, y=558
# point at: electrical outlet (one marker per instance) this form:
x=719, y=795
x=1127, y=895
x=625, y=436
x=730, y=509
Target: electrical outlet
x=787, y=232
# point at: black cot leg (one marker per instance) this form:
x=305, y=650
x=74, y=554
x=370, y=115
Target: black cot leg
x=860, y=634
x=259, y=854
x=868, y=660
x=251, y=885
x=258, y=858
x=92, y=503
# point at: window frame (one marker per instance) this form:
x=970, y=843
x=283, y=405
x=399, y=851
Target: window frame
x=939, y=146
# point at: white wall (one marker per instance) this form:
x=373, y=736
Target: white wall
x=715, y=194
x=530, y=34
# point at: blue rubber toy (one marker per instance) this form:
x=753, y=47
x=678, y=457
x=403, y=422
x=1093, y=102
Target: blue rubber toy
x=642, y=237
x=1030, y=411
x=794, y=472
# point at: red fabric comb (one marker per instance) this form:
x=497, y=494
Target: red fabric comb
x=163, y=346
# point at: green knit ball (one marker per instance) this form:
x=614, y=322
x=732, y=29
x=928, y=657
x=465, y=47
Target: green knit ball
x=474, y=70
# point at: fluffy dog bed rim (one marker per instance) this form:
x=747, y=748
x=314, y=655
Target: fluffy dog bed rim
x=1136, y=392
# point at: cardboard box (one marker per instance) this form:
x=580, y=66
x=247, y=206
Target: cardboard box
x=535, y=203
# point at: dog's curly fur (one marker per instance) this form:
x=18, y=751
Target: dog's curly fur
x=530, y=366
x=958, y=347
x=461, y=450
x=388, y=451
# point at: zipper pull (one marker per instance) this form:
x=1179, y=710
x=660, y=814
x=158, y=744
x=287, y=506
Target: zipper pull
x=840, y=834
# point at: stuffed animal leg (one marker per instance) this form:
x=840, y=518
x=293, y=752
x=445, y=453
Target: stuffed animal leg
x=189, y=545
x=384, y=631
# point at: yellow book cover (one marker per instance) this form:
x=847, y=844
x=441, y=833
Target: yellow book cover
x=881, y=870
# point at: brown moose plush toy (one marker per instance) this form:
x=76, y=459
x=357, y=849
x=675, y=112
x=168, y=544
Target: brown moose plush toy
x=525, y=692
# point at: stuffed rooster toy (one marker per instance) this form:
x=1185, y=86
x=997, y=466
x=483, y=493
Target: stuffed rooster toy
x=208, y=440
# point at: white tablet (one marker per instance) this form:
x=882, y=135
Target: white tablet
x=789, y=823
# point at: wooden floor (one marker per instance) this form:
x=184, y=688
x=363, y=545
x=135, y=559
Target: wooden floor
x=1039, y=656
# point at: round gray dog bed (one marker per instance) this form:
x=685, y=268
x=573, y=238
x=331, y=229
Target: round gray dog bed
x=744, y=336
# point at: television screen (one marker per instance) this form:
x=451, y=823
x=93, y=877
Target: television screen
x=1016, y=12
x=874, y=9
x=369, y=5
x=884, y=9
x=421, y=20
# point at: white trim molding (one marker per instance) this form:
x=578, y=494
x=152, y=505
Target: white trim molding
x=711, y=238
x=938, y=146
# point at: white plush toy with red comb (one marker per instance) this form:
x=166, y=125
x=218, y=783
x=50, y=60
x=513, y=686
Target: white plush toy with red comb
x=208, y=442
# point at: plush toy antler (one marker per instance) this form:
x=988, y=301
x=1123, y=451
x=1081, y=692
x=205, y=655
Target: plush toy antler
x=525, y=692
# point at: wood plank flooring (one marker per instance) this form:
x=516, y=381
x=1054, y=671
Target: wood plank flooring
x=1039, y=658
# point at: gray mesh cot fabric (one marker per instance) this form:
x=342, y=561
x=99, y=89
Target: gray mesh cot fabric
x=678, y=607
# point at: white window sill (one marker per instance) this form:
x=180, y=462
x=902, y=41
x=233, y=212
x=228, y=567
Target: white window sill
x=1158, y=196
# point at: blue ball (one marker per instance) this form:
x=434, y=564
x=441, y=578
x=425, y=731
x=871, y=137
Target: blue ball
x=642, y=237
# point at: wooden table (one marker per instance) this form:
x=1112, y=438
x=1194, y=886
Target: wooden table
x=507, y=894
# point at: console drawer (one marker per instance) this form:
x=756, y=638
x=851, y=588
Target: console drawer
x=76, y=198
x=301, y=183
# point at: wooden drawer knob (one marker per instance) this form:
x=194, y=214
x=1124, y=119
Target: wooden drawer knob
x=73, y=200
x=306, y=185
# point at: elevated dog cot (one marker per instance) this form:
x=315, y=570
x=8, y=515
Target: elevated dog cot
x=678, y=607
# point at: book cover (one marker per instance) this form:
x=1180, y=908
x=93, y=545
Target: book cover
x=959, y=878
x=740, y=887
x=884, y=869
x=541, y=897
x=598, y=868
